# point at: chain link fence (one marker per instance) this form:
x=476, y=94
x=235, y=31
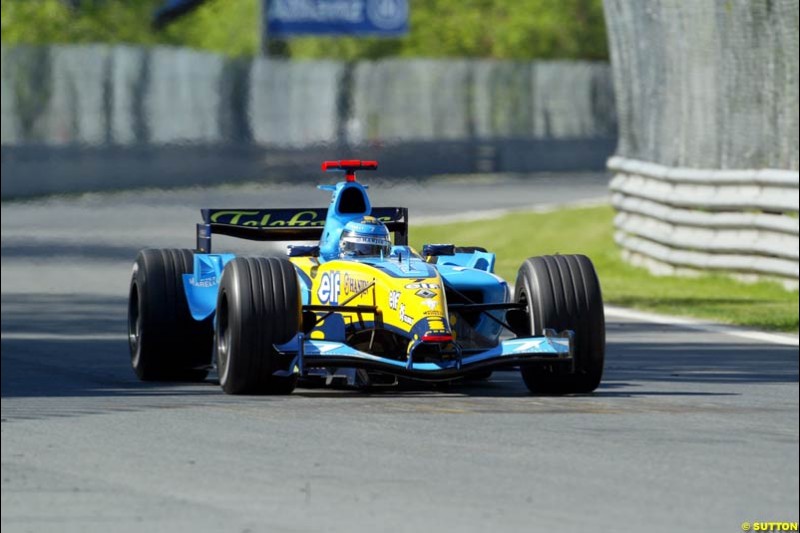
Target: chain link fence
x=149, y=113
x=125, y=95
x=707, y=98
x=706, y=84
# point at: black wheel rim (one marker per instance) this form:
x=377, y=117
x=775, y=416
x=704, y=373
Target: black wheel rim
x=522, y=298
x=134, y=324
x=223, y=339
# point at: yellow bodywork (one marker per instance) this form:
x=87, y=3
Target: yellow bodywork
x=411, y=306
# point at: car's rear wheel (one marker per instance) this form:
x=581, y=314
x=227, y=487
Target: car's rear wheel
x=166, y=343
x=258, y=306
x=563, y=293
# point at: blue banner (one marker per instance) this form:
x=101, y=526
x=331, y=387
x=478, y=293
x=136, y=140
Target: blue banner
x=286, y=18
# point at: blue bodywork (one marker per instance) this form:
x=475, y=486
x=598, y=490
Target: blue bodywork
x=463, y=272
x=552, y=347
x=337, y=219
x=202, y=285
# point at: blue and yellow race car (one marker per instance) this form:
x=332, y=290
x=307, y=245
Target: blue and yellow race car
x=359, y=305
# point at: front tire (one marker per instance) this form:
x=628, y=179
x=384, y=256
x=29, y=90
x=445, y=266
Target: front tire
x=258, y=306
x=563, y=292
x=166, y=343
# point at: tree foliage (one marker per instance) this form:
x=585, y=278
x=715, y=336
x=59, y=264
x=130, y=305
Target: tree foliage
x=513, y=29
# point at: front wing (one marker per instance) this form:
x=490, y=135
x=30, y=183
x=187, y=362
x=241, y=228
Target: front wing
x=310, y=353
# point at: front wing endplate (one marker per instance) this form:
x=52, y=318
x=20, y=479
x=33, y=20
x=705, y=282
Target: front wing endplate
x=551, y=347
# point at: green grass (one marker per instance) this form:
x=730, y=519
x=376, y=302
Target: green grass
x=514, y=237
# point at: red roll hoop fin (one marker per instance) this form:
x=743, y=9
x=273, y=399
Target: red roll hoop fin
x=349, y=166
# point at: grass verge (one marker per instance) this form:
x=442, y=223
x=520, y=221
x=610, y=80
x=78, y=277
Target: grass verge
x=516, y=236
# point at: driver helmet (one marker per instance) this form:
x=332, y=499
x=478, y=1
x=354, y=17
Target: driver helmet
x=365, y=237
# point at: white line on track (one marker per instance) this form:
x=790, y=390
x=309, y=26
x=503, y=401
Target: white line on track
x=487, y=214
x=39, y=336
x=785, y=339
x=710, y=327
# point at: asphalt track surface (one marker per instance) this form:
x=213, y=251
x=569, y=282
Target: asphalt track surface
x=689, y=431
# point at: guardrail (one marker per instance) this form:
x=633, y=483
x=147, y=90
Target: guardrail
x=738, y=221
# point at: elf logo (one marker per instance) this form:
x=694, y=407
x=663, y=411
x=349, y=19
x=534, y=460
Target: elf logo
x=328, y=290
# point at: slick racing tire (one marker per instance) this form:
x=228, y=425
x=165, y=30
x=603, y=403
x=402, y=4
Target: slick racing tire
x=563, y=293
x=166, y=343
x=258, y=306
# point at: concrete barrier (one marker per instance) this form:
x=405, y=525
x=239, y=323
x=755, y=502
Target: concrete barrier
x=739, y=221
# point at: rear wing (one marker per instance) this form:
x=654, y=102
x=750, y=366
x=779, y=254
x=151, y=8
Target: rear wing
x=286, y=224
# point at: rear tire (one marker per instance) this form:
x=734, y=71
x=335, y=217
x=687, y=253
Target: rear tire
x=166, y=343
x=258, y=306
x=563, y=292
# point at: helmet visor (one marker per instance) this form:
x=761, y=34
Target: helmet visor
x=364, y=246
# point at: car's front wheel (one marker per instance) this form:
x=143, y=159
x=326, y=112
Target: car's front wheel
x=258, y=306
x=562, y=292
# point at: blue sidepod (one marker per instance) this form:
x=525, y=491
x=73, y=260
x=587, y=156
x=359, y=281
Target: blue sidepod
x=201, y=286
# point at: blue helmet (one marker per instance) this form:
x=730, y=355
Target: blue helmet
x=365, y=237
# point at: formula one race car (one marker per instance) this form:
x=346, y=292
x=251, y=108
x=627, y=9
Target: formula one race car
x=356, y=306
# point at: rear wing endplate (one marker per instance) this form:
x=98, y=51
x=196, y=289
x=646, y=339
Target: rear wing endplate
x=285, y=224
